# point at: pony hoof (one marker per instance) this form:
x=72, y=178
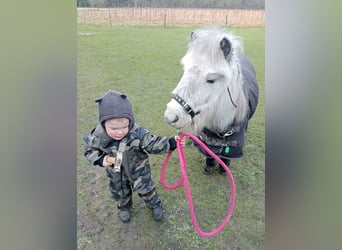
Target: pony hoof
x=207, y=170
x=222, y=171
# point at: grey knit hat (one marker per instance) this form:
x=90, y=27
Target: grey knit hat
x=115, y=105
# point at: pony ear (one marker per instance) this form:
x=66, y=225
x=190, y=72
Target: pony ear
x=226, y=47
x=192, y=36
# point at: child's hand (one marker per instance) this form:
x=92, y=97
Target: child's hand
x=182, y=142
x=108, y=161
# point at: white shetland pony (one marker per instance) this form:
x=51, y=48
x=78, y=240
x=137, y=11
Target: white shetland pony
x=217, y=94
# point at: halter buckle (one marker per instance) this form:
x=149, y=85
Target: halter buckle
x=187, y=108
x=229, y=133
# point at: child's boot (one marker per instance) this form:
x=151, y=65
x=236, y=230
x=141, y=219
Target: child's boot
x=157, y=213
x=125, y=211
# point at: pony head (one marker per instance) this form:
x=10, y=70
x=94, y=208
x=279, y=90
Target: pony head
x=210, y=92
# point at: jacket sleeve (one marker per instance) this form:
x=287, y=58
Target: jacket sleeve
x=154, y=144
x=92, y=152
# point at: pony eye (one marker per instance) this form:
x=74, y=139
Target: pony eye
x=213, y=77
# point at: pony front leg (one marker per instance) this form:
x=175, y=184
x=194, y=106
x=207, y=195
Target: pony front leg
x=209, y=166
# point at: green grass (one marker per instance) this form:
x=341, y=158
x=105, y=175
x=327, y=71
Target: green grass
x=143, y=62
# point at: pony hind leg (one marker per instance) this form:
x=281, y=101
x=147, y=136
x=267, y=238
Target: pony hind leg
x=221, y=169
x=209, y=165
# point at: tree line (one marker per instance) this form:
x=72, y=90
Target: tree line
x=224, y=4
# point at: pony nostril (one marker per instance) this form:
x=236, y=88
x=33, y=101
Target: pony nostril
x=176, y=119
x=172, y=121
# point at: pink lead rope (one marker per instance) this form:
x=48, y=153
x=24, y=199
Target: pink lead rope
x=184, y=179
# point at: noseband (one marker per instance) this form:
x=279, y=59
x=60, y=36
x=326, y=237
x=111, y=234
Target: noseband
x=187, y=108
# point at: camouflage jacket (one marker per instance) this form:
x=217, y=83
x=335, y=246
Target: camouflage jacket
x=135, y=146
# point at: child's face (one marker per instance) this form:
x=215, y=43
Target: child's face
x=117, y=128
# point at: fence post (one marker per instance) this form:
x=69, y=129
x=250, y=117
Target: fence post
x=165, y=19
x=110, y=19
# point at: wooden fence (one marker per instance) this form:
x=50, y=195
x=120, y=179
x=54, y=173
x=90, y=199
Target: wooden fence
x=171, y=17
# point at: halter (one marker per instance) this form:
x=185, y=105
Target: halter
x=231, y=99
x=187, y=108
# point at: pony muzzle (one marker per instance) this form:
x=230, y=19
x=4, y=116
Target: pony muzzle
x=175, y=116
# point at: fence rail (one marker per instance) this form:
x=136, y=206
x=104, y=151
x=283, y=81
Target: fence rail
x=171, y=16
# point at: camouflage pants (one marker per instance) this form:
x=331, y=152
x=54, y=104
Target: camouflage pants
x=139, y=180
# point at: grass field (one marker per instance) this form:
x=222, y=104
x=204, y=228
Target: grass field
x=143, y=62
